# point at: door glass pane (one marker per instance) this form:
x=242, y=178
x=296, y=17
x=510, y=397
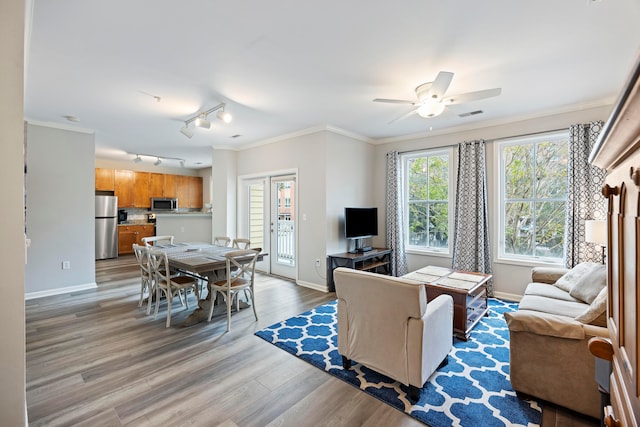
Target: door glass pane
x=256, y=215
x=285, y=218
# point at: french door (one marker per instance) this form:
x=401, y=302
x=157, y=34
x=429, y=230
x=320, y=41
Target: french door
x=268, y=214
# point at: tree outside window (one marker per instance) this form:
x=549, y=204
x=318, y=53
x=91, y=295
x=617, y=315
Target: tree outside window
x=427, y=200
x=534, y=196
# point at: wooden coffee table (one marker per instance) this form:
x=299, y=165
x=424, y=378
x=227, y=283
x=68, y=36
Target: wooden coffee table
x=468, y=290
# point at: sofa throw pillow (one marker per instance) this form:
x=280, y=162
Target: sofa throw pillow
x=568, y=279
x=587, y=287
x=597, y=307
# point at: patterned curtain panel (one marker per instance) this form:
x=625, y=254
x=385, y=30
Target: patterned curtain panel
x=471, y=251
x=395, y=215
x=584, y=200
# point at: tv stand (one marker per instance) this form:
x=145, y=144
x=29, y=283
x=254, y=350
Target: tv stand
x=363, y=250
x=376, y=260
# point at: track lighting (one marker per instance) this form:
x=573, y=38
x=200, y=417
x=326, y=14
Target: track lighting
x=186, y=131
x=224, y=116
x=159, y=159
x=201, y=120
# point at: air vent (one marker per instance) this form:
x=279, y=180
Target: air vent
x=471, y=113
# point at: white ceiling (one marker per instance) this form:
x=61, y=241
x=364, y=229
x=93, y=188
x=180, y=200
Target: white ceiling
x=283, y=66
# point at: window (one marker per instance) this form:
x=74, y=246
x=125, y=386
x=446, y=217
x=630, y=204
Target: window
x=427, y=208
x=533, y=196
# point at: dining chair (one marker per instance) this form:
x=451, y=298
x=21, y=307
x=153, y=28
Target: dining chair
x=146, y=277
x=240, y=269
x=157, y=240
x=241, y=243
x=169, y=285
x=221, y=240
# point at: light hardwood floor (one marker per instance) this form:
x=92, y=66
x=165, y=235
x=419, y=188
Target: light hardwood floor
x=95, y=359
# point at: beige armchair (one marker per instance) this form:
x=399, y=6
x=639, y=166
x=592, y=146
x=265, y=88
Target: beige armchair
x=385, y=323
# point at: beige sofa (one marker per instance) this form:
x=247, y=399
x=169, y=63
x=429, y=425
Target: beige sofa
x=385, y=323
x=558, y=314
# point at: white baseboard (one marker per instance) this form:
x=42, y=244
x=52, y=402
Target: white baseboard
x=316, y=286
x=507, y=297
x=58, y=291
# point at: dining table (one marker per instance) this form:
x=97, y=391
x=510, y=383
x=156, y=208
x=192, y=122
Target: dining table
x=205, y=260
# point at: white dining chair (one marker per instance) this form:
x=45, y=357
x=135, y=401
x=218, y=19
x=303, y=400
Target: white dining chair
x=240, y=273
x=241, y=243
x=170, y=286
x=146, y=277
x=157, y=240
x=222, y=240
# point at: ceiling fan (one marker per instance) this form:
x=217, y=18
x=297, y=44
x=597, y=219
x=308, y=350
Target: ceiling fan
x=431, y=99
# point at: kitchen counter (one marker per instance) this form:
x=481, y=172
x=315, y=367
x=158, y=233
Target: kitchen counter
x=185, y=227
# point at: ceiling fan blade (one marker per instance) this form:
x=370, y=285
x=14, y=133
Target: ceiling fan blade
x=472, y=96
x=404, y=116
x=394, y=101
x=440, y=85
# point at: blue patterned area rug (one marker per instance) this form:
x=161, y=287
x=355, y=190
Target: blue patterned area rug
x=472, y=390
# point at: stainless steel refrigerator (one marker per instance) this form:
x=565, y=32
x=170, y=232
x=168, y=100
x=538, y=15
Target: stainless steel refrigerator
x=106, y=227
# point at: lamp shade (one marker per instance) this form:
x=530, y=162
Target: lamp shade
x=595, y=231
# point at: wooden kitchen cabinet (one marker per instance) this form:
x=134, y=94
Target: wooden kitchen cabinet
x=141, y=197
x=133, y=233
x=170, y=186
x=189, y=189
x=105, y=179
x=124, y=181
x=195, y=192
x=156, y=185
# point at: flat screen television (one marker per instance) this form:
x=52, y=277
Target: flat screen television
x=360, y=222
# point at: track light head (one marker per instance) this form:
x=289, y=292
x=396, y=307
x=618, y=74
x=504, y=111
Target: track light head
x=186, y=131
x=157, y=162
x=181, y=163
x=137, y=159
x=224, y=116
x=202, y=122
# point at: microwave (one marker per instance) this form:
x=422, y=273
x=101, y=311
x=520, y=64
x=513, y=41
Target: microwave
x=164, y=204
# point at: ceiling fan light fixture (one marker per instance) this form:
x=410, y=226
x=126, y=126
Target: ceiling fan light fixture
x=202, y=122
x=430, y=109
x=224, y=116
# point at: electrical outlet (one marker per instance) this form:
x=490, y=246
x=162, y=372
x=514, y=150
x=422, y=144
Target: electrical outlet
x=66, y=265
x=317, y=263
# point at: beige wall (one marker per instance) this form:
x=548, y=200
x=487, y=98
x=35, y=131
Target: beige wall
x=12, y=320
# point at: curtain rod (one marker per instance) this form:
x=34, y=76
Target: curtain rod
x=508, y=137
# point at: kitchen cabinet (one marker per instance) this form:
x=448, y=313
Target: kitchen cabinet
x=105, y=179
x=135, y=188
x=156, y=185
x=124, y=182
x=195, y=192
x=132, y=233
x=170, y=186
x=189, y=189
x=141, y=197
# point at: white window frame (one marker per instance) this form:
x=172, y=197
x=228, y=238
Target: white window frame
x=404, y=158
x=530, y=139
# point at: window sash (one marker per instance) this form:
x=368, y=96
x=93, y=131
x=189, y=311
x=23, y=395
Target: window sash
x=548, y=207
